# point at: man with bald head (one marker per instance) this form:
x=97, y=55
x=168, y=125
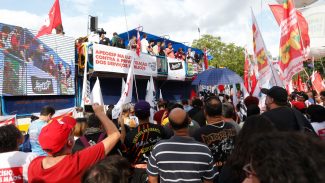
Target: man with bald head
x=180, y=158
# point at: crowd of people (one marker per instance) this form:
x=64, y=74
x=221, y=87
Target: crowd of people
x=207, y=139
x=151, y=47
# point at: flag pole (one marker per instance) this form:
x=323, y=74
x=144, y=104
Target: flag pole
x=135, y=82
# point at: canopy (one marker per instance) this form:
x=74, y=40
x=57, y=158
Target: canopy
x=155, y=38
x=217, y=76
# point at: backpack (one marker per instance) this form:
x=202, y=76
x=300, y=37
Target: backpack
x=26, y=146
x=86, y=143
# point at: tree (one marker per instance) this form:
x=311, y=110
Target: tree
x=224, y=55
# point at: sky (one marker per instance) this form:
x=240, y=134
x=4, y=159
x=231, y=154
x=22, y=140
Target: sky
x=180, y=19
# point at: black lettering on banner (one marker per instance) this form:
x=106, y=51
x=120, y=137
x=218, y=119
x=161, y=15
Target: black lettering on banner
x=175, y=66
x=41, y=85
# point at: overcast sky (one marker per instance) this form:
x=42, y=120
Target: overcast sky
x=180, y=19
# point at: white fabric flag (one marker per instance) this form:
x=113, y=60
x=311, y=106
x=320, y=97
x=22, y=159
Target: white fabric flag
x=126, y=96
x=96, y=94
x=150, y=97
x=160, y=95
x=85, y=96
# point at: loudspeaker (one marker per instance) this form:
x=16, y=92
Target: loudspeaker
x=93, y=24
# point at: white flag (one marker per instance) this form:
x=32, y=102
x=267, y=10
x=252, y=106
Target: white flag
x=126, y=96
x=160, y=95
x=150, y=97
x=85, y=96
x=96, y=94
x=151, y=92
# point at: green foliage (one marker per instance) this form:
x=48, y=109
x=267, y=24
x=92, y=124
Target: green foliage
x=224, y=55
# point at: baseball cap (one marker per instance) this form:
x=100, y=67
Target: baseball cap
x=298, y=105
x=142, y=106
x=279, y=94
x=54, y=136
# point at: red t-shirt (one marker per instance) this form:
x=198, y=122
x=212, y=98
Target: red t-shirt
x=69, y=169
x=158, y=115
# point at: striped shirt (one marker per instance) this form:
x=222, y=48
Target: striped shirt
x=181, y=159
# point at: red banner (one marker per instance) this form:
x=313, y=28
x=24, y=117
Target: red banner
x=291, y=51
x=13, y=174
x=8, y=120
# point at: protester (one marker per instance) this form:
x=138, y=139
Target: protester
x=322, y=97
x=133, y=44
x=285, y=157
x=181, y=158
x=14, y=164
x=113, y=169
x=139, y=141
x=283, y=117
x=189, y=55
x=116, y=40
x=232, y=172
x=80, y=128
x=156, y=48
x=94, y=133
x=218, y=135
x=169, y=51
x=57, y=140
x=35, y=128
x=228, y=112
x=102, y=39
x=253, y=110
x=186, y=106
x=150, y=47
x=316, y=115
x=196, y=113
x=161, y=110
x=144, y=44
x=162, y=50
x=180, y=54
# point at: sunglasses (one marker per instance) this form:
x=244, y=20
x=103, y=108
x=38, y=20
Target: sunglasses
x=248, y=168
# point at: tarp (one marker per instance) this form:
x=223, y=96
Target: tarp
x=155, y=38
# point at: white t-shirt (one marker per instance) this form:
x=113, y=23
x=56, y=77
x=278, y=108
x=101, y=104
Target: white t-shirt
x=319, y=129
x=14, y=166
x=144, y=46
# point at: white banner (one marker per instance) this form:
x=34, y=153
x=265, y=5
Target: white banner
x=112, y=59
x=176, y=69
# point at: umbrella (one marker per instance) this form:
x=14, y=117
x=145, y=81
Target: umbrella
x=217, y=76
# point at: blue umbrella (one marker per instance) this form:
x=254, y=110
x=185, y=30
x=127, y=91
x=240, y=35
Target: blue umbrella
x=217, y=76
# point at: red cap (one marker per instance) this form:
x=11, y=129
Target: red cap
x=54, y=136
x=298, y=105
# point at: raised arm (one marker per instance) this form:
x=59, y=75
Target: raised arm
x=113, y=135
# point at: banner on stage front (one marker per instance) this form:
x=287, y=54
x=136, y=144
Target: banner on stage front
x=176, y=69
x=112, y=59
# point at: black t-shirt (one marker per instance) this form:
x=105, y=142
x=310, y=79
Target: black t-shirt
x=92, y=140
x=140, y=141
x=104, y=41
x=220, y=138
x=283, y=118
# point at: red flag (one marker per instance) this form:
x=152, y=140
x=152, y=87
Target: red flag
x=138, y=43
x=291, y=51
x=206, y=63
x=317, y=82
x=193, y=94
x=278, y=12
x=53, y=20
